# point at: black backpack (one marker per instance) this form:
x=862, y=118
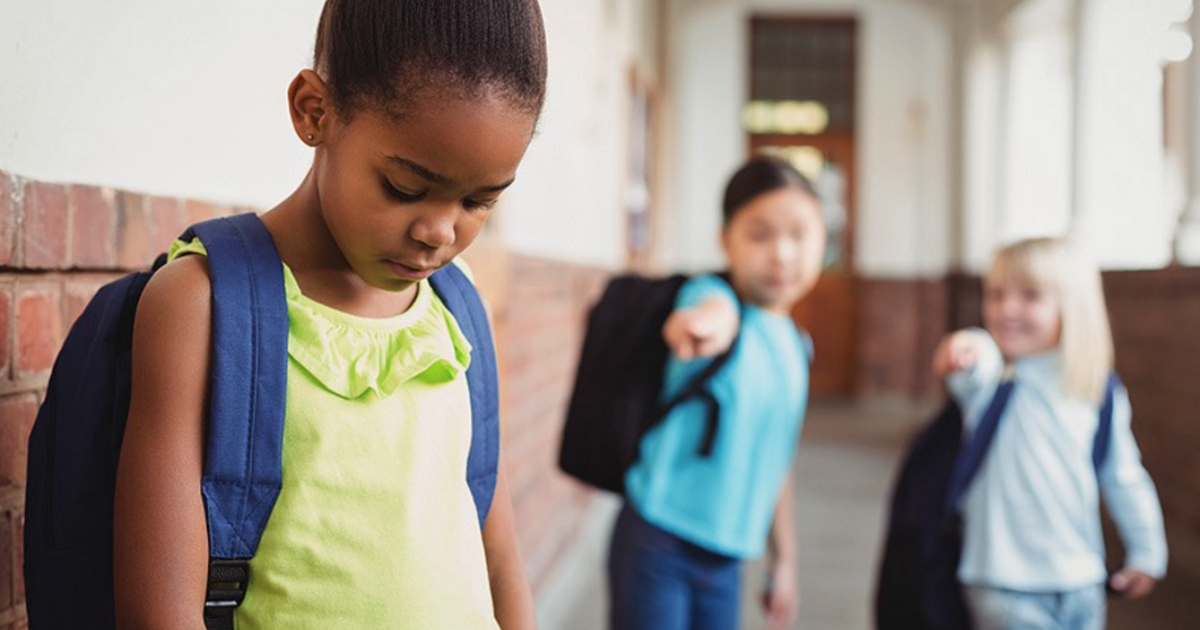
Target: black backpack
x=615, y=399
x=918, y=586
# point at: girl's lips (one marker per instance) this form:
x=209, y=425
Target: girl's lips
x=780, y=282
x=405, y=272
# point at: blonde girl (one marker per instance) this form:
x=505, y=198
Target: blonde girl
x=1033, y=553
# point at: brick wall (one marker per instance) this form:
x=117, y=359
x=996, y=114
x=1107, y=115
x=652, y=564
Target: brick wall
x=539, y=325
x=1156, y=329
x=900, y=323
x=58, y=244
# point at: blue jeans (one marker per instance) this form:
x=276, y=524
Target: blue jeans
x=658, y=581
x=1004, y=609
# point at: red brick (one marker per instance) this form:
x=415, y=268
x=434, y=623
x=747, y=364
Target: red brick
x=5, y=329
x=7, y=569
x=133, y=232
x=17, y=412
x=8, y=218
x=93, y=228
x=167, y=222
x=39, y=329
x=44, y=226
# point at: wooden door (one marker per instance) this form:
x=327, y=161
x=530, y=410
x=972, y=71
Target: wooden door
x=802, y=107
x=829, y=313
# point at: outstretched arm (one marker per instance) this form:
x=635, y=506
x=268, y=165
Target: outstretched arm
x=956, y=351
x=972, y=366
x=704, y=330
x=160, y=545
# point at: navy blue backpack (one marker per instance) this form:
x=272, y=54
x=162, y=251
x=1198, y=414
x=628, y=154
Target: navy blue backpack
x=76, y=439
x=918, y=586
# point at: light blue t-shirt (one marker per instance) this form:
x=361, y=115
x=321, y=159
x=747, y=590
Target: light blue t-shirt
x=725, y=502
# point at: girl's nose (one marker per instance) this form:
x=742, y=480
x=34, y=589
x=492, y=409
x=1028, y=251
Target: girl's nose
x=784, y=250
x=435, y=227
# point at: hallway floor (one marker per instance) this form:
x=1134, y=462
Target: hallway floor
x=847, y=460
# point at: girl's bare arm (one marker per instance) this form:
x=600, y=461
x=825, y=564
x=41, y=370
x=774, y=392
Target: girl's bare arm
x=160, y=544
x=506, y=571
x=781, y=599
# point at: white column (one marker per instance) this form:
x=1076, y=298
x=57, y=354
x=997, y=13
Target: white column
x=1187, y=239
x=1120, y=213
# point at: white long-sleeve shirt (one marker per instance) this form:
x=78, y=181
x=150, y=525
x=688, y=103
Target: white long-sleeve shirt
x=1032, y=519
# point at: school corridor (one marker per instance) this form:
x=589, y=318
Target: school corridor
x=848, y=455
x=934, y=130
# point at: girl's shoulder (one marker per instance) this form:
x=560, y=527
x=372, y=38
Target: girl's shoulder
x=180, y=288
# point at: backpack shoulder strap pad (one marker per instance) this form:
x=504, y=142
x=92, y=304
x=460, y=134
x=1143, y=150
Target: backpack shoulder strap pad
x=1103, y=440
x=242, y=465
x=459, y=295
x=971, y=457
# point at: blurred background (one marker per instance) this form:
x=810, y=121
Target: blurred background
x=935, y=130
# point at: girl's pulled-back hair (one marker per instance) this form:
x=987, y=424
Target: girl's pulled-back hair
x=379, y=54
x=1052, y=264
x=761, y=174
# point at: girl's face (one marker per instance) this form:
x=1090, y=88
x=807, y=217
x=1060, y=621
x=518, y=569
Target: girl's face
x=402, y=198
x=774, y=245
x=1023, y=318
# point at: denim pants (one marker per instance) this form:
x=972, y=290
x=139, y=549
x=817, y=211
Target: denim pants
x=658, y=581
x=1004, y=609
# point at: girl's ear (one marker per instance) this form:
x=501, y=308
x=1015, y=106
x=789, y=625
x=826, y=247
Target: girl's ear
x=309, y=106
x=725, y=241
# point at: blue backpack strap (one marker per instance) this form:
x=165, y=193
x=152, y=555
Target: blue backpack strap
x=971, y=458
x=460, y=296
x=243, y=458
x=1103, y=440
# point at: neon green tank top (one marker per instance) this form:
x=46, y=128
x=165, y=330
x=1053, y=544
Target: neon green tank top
x=375, y=526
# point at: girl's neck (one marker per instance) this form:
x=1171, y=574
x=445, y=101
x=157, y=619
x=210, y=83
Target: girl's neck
x=1034, y=358
x=321, y=270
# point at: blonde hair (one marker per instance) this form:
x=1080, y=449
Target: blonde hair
x=1053, y=265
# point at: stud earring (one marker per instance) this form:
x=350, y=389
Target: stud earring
x=310, y=138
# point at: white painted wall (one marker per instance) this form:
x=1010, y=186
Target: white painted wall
x=567, y=202
x=189, y=99
x=983, y=105
x=1122, y=217
x=166, y=97
x=903, y=139
x=1035, y=190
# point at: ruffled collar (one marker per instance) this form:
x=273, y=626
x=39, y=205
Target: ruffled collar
x=353, y=355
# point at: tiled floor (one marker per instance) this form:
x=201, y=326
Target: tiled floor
x=845, y=467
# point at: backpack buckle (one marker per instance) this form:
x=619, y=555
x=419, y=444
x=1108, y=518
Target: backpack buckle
x=227, y=581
